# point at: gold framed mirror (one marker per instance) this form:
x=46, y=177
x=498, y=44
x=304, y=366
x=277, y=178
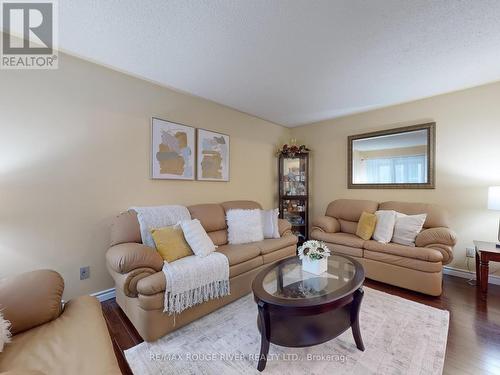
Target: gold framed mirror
x=400, y=158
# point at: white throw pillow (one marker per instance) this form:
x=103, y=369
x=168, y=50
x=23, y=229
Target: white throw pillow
x=244, y=226
x=384, y=230
x=4, y=332
x=270, y=223
x=407, y=228
x=197, y=237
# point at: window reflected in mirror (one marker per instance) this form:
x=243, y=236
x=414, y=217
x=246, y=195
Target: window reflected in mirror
x=397, y=158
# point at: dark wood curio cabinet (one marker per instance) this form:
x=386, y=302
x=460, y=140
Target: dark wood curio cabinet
x=294, y=192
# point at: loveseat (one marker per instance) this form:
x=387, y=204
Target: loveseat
x=47, y=338
x=416, y=268
x=140, y=281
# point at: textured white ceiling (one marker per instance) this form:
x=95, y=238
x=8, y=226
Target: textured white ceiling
x=292, y=61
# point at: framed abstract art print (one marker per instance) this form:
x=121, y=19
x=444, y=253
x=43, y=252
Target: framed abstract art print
x=173, y=150
x=213, y=156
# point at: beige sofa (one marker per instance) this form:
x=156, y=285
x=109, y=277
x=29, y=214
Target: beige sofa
x=417, y=268
x=48, y=339
x=140, y=282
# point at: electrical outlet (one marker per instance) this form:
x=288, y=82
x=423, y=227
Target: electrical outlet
x=470, y=252
x=84, y=272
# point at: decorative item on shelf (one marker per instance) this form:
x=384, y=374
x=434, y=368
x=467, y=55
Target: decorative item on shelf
x=494, y=204
x=314, y=255
x=293, y=165
x=292, y=150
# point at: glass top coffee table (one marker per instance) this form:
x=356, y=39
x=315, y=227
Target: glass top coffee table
x=299, y=309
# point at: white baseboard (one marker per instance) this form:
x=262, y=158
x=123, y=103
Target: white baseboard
x=468, y=274
x=104, y=295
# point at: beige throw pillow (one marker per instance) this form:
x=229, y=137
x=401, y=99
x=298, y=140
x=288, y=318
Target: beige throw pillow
x=407, y=228
x=384, y=230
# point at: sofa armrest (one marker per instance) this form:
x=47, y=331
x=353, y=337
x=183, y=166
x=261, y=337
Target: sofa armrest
x=152, y=284
x=441, y=239
x=129, y=256
x=326, y=224
x=31, y=299
x=284, y=227
x=445, y=250
x=443, y=236
x=127, y=282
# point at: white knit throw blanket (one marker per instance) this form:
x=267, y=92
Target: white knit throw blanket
x=193, y=280
x=158, y=217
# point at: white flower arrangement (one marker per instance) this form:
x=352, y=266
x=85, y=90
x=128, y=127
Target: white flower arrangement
x=314, y=250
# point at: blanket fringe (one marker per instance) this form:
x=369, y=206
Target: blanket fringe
x=181, y=301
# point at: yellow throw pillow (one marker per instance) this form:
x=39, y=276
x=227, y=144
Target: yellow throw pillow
x=170, y=243
x=366, y=226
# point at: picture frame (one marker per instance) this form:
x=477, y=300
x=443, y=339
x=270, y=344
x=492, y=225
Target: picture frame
x=172, y=150
x=213, y=156
x=428, y=159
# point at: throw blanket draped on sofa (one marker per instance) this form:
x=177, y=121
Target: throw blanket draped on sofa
x=191, y=280
x=158, y=217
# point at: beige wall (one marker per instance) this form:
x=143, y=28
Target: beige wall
x=74, y=151
x=467, y=158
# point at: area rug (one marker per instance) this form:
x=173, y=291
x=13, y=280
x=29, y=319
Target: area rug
x=400, y=336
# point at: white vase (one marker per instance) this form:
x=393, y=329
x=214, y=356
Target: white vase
x=316, y=267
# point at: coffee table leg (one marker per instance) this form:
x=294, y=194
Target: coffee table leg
x=264, y=332
x=355, y=307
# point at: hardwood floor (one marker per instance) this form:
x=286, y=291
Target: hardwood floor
x=473, y=339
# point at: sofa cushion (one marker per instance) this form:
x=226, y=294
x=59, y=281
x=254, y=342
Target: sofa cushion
x=76, y=342
x=239, y=253
x=401, y=261
x=249, y=265
x=422, y=253
x=125, y=228
x=218, y=237
x=346, y=239
x=211, y=216
x=280, y=254
x=350, y=209
x=436, y=215
x=269, y=245
x=347, y=226
x=345, y=250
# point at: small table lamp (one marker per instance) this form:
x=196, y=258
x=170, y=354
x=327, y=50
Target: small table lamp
x=494, y=203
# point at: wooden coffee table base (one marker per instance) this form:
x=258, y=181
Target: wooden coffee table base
x=308, y=326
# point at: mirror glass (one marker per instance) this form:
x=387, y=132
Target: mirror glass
x=399, y=158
